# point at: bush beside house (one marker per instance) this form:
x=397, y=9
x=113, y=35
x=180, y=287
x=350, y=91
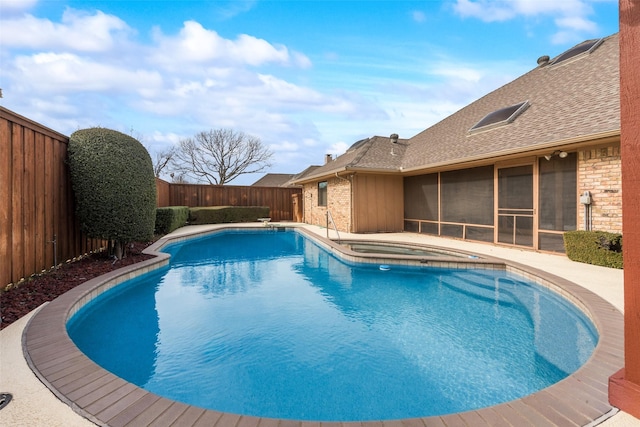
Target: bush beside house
x=594, y=247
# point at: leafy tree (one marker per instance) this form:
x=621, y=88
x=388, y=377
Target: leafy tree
x=221, y=155
x=113, y=181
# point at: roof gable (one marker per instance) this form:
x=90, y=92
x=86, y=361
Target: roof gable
x=377, y=153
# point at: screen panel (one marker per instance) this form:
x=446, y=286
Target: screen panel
x=467, y=196
x=421, y=197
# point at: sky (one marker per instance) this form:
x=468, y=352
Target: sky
x=307, y=77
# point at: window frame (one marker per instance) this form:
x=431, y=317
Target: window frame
x=322, y=193
x=494, y=119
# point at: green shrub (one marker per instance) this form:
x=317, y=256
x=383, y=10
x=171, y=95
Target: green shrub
x=226, y=214
x=171, y=218
x=594, y=247
x=114, y=186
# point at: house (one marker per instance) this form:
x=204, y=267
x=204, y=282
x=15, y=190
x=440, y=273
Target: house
x=520, y=166
x=282, y=179
x=274, y=180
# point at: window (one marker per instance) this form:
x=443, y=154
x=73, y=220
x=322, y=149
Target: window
x=584, y=47
x=500, y=117
x=322, y=193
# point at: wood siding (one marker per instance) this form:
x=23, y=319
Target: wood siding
x=278, y=199
x=36, y=200
x=378, y=203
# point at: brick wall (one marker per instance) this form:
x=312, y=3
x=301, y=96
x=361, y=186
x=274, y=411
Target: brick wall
x=599, y=172
x=338, y=203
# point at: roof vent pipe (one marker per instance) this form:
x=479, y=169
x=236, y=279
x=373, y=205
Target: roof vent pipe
x=394, y=138
x=543, y=60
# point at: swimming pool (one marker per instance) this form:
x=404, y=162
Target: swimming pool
x=364, y=308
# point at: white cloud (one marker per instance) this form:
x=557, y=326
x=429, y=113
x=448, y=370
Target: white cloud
x=288, y=93
x=418, y=16
x=286, y=145
x=225, y=92
x=502, y=10
x=577, y=23
x=10, y=7
x=194, y=79
x=457, y=71
x=165, y=140
x=301, y=60
x=68, y=73
x=59, y=104
x=484, y=10
x=570, y=16
x=195, y=44
x=338, y=148
x=232, y=8
x=78, y=32
x=309, y=142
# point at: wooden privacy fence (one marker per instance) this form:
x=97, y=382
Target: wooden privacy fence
x=279, y=199
x=38, y=226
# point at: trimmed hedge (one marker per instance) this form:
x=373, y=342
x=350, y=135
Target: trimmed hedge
x=594, y=247
x=226, y=214
x=114, y=185
x=171, y=218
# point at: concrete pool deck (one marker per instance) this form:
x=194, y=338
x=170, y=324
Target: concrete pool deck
x=35, y=405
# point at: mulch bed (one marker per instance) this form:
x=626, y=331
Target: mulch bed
x=24, y=297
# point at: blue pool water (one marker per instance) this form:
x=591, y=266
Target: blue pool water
x=267, y=323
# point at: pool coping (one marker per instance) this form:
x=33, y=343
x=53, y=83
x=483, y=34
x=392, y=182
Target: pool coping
x=108, y=400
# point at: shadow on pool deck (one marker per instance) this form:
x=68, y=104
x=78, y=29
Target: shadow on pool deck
x=108, y=400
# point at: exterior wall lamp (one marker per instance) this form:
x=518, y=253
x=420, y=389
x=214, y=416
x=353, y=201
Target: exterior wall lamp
x=561, y=154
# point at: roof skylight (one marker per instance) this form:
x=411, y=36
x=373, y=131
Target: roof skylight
x=583, y=48
x=500, y=117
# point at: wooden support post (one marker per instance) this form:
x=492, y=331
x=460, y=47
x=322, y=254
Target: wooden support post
x=624, y=386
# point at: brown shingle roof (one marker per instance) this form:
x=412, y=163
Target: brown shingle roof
x=273, y=180
x=308, y=171
x=377, y=153
x=572, y=101
x=283, y=179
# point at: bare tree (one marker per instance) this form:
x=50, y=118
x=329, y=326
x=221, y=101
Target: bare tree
x=221, y=155
x=178, y=178
x=163, y=160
